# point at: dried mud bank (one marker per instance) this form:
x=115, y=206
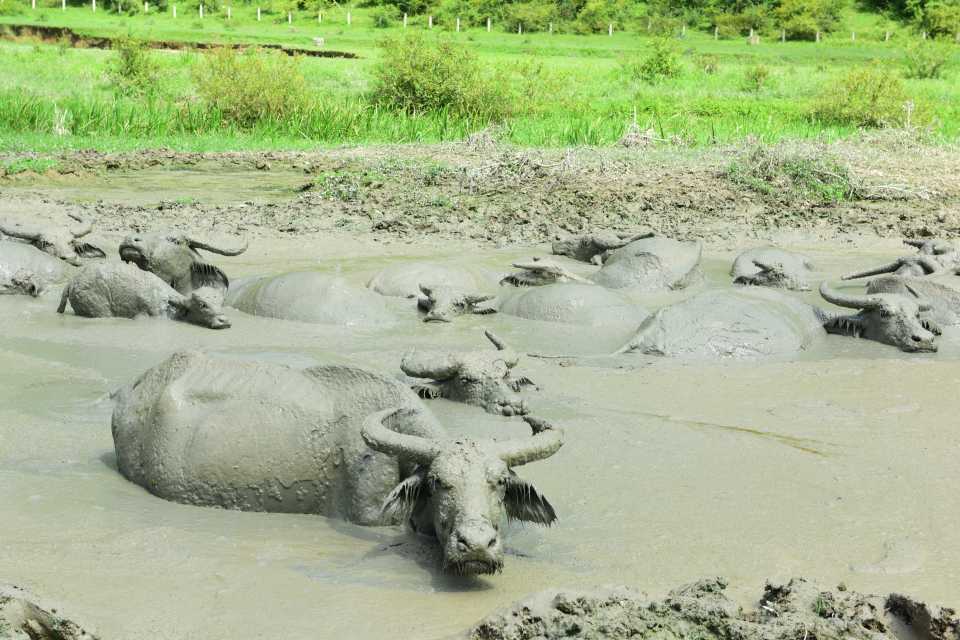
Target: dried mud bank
x=485, y=192
x=796, y=610
x=22, y=618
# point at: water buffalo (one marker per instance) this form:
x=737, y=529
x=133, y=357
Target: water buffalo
x=772, y=267
x=441, y=303
x=652, y=264
x=404, y=280
x=335, y=440
x=310, y=296
x=889, y=318
x=595, y=247
x=940, y=294
x=119, y=290
x=481, y=378
x=173, y=257
x=580, y=304
x=65, y=244
x=932, y=257
x=539, y=272
x=748, y=322
x=26, y=270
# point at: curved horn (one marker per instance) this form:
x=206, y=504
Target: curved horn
x=196, y=244
x=497, y=342
x=847, y=300
x=928, y=263
x=16, y=233
x=400, y=445
x=437, y=366
x=85, y=230
x=478, y=298
x=545, y=442
x=887, y=268
x=922, y=304
x=914, y=243
x=426, y=290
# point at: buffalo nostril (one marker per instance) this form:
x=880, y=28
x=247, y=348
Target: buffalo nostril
x=462, y=542
x=492, y=543
x=916, y=338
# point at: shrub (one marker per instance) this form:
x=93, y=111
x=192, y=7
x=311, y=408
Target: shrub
x=12, y=7
x=534, y=16
x=755, y=77
x=870, y=96
x=801, y=19
x=417, y=76
x=808, y=175
x=708, y=63
x=663, y=61
x=731, y=25
x=385, y=16
x=133, y=71
x=251, y=86
x=925, y=60
x=941, y=19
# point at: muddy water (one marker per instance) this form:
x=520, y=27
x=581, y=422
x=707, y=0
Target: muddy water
x=839, y=465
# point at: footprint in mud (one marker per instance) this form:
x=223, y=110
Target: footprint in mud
x=899, y=557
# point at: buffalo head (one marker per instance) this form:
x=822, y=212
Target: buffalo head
x=462, y=490
x=203, y=307
x=885, y=317
x=932, y=257
x=481, y=378
x=172, y=255
x=66, y=244
x=538, y=272
x=594, y=247
x=442, y=303
x=772, y=274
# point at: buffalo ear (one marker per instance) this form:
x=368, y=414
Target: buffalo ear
x=203, y=274
x=400, y=503
x=87, y=250
x=844, y=325
x=523, y=502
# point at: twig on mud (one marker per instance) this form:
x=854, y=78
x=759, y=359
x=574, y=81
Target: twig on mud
x=899, y=188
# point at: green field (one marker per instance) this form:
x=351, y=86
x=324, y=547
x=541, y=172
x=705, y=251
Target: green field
x=573, y=89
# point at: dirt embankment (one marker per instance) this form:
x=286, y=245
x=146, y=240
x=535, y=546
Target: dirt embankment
x=86, y=41
x=482, y=191
x=22, y=618
x=797, y=610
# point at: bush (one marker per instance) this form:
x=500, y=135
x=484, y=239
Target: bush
x=808, y=175
x=133, y=71
x=755, y=77
x=708, y=63
x=926, y=60
x=385, y=16
x=12, y=7
x=534, y=16
x=731, y=25
x=251, y=86
x=418, y=76
x=870, y=96
x=941, y=19
x=802, y=19
x=662, y=62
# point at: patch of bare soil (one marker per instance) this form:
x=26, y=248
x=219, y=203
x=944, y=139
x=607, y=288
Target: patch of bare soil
x=792, y=611
x=21, y=618
x=495, y=194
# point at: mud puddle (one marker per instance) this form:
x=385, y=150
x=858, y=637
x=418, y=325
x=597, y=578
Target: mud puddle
x=171, y=185
x=839, y=465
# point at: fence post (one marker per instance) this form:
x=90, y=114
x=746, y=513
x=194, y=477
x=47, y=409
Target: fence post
x=319, y=17
x=818, y=37
x=649, y=23
x=63, y=5
x=716, y=33
x=853, y=36
x=289, y=17
x=430, y=22
x=683, y=31
x=349, y=19
x=93, y=3
x=201, y=10
x=146, y=9
x=458, y=24
x=404, y=21
x=550, y=28
x=33, y=3
x=174, y=11
x=783, y=35
x=886, y=36
x=229, y=13
x=610, y=29
x=488, y=25
x=519, y=28
x=924, y=35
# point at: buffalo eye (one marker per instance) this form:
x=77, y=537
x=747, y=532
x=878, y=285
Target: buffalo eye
x=466, y=379
x=884, y=313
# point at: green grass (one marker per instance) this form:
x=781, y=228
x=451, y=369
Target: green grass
x=579, y=96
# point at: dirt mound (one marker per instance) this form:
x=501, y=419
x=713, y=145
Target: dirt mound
x=794, y=611
x=21, y=618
